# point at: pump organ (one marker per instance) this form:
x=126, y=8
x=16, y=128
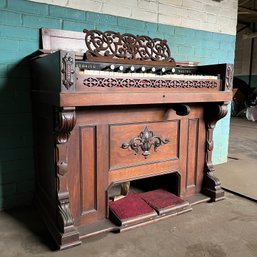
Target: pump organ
x=111, y=110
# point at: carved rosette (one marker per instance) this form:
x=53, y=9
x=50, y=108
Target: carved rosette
x=65, y=122
x=144, y=142
x=113, y=45
x=211, y=184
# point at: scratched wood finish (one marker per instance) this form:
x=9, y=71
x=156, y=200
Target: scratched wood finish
x=80, y=135
x=99, y=161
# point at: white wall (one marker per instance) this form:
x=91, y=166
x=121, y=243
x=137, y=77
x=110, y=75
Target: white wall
x=207, y=15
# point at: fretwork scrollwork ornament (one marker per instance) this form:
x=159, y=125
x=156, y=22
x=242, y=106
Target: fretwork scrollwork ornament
x=65, y=121
x=68, y=69
x=95, y=82
x=144, y=142
x=110, y=45
x=229, y=77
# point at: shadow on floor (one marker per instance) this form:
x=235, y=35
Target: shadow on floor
x=28, y=219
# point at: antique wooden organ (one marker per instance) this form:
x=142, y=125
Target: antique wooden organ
x=115, y=115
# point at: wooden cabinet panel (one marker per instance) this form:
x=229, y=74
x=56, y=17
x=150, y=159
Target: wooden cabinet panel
x=88, y=177
x=133, y=135
x=192, y=144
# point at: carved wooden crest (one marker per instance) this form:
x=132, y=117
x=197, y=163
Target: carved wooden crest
x=111, y=46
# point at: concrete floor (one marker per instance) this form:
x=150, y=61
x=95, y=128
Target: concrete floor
x=223, y=229
x=239, y=174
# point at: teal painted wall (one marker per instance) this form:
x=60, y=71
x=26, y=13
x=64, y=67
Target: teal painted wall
x=19, y=36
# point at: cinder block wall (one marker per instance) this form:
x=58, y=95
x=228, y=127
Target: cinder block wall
x=198, y=33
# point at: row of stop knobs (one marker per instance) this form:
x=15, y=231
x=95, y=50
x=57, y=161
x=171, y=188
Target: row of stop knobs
x=121, y=68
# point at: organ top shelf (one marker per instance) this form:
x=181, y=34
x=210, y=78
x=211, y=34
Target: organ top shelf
x=114, y=69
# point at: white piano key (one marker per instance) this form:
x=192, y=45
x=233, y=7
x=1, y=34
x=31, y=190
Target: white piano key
x=145, y=75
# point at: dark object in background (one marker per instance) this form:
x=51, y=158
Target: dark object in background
x=243, y=97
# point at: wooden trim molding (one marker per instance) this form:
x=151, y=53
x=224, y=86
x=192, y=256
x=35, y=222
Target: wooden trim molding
x=64, y=123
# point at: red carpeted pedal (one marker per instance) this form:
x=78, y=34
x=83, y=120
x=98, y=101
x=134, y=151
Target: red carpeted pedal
x=130, y=210
x=163, y=201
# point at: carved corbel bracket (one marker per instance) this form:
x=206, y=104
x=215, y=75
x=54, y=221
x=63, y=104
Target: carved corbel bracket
x=68, y=233
x=211, y=185
x=65, y=219
x=64, y=123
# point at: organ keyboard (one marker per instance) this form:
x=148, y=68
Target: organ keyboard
x=163, y=75
x=115, y=115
